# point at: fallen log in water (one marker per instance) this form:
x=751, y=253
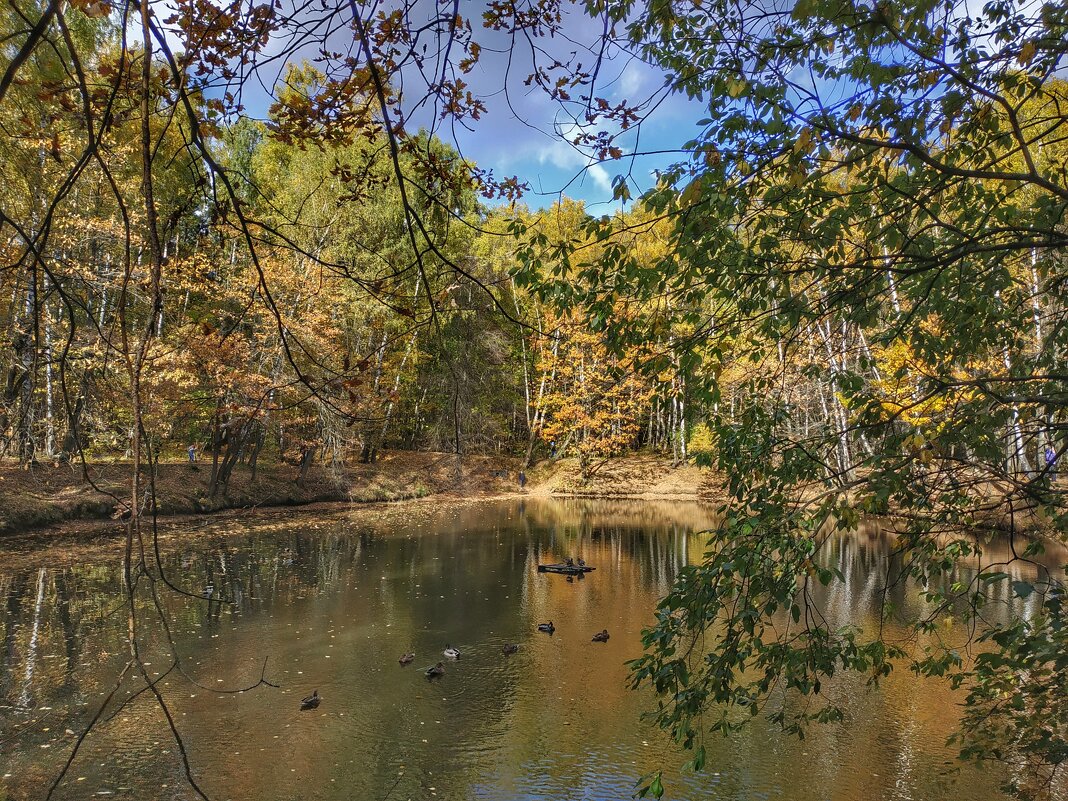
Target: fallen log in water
x=567, y=570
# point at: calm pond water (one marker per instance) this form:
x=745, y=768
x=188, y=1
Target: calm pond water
x=331, y=602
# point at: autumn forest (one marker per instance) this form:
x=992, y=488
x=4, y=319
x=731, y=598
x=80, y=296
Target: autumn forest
x=262, y=234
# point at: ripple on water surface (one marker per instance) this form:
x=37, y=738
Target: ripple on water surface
x=332, y=603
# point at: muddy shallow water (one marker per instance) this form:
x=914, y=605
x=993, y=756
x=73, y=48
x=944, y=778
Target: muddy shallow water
x=331, y=601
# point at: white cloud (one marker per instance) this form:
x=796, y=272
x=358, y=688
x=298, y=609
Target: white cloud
x=560, y=154
x=631, y=79
x=563, y=155
x=600, y=177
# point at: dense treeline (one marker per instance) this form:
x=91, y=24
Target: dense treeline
x=332, y=343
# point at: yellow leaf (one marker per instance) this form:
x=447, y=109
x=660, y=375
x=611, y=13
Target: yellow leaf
x=94, y=8
x=691, y=193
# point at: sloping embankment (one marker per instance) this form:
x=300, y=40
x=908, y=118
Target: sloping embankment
x=46, y=494
x=637, y=476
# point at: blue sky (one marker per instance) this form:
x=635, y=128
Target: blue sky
x=528, y=134
x=524, y=132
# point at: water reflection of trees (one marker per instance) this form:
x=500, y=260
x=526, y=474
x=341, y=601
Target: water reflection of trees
x=48, y=616
x=55, y=611
x=68, y=612
x=444, y=573
x=877, y=580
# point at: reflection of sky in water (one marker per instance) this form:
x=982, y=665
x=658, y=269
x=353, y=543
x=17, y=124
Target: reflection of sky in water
x=333, y=601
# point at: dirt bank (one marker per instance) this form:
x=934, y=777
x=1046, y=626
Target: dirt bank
x=639, y=476
x=47, y=495
x=54, y=496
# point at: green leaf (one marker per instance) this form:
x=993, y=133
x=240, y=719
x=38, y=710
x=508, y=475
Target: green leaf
x=1023, y=588
x=656, y=787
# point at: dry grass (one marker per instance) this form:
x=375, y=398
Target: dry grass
x=47, y=494
x=637, y=476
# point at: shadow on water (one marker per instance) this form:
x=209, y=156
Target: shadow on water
x=333, y=601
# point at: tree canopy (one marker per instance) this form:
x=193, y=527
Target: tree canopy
x=845, y=295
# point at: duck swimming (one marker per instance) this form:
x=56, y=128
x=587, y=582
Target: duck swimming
x=601, y=636
x=311, y=702
x=436, y=670
x=451, y=653
x=548, y=628
x=407, y=659
x=510, y=648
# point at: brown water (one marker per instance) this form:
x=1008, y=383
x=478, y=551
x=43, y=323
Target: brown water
x=332, y=601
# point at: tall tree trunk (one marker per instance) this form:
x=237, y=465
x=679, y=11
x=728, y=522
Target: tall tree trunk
x=216, y=446
x=368, y=448
x=840, y=416
x=28, y=356
x=50, y=429
x=307, y=456
x=396, y=389
x=538, y=418
x=682, y=416
x=254, y=457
